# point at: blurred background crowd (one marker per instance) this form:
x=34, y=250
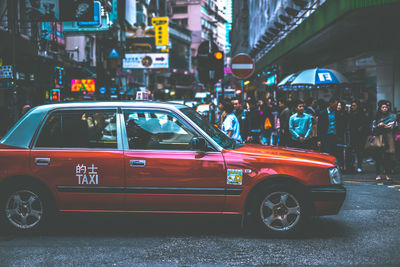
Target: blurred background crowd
x=339, y=128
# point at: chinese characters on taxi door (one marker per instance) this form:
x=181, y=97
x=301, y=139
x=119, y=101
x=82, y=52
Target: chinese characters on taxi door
x=87, y=175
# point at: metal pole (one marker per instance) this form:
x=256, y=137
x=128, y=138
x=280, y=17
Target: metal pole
x=242, y=92
x=222, y=89
x=12, y=27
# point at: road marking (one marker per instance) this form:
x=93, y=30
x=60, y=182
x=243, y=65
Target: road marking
x=359, y=182
x=370, y=182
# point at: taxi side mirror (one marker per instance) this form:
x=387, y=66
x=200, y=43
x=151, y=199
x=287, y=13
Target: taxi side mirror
x=198, y=143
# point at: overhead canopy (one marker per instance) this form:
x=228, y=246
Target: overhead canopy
x=337, y=29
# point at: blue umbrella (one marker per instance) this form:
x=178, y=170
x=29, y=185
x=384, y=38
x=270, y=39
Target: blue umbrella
x=311, y=77
x=287, y=79
x=285, y=83
x=318, y=77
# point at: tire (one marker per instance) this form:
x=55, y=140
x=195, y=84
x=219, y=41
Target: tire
x=280, y=210
x=25, y=208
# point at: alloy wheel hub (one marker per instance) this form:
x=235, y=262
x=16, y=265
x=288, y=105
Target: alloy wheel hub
x=280, y=211
x=24, y=209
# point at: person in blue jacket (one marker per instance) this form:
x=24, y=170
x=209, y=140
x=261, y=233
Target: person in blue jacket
x=300, y=126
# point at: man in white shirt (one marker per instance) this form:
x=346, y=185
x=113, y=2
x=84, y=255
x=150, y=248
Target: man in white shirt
x=231, y=126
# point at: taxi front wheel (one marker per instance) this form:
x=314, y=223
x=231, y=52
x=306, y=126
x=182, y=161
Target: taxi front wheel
x=280, y=209
x=25, y=208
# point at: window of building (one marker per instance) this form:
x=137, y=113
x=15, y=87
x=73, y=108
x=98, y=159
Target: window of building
x=182, y=22
x=180, y=9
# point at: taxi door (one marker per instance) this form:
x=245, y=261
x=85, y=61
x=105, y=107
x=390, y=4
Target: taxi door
x=162, y=172
x=76, y=154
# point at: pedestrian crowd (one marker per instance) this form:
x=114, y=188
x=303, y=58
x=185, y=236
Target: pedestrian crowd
x=346, y=131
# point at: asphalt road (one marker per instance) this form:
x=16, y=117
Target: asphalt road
x=365, y=232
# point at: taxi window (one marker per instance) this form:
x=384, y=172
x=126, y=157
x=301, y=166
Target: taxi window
x=79, y=129
x=156, y=130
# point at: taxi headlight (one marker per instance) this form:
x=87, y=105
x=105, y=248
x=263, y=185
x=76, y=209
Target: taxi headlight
x=335, y=176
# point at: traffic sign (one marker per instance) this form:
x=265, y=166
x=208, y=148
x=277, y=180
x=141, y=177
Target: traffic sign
x=242, y=66
x=146, y=61
x=113, y=54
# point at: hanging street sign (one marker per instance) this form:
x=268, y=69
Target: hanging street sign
x=146, y=61
x=242, y=66
x=161, y=32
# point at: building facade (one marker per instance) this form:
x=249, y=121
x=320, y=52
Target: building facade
x=205, y=19
x=357, y=38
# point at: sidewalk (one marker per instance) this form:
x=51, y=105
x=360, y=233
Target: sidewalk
x=369, y=174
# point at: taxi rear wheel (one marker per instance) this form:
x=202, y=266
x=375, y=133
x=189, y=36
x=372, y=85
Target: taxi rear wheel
x=25, y=208
x=279, y=209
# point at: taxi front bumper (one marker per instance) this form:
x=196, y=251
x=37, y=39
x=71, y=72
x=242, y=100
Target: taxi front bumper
x=327, y=200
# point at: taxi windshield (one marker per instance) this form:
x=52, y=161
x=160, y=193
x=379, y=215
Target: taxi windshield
x=216, y=134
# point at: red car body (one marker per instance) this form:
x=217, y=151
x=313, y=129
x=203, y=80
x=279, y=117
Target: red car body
x=162, y=181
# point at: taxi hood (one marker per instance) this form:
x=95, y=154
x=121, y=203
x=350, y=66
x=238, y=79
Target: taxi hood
x=285, y=153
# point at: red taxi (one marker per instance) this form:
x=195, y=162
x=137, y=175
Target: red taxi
x=150, y=157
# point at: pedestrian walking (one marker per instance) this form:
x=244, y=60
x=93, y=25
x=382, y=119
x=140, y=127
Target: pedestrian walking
x=230, y=125
x=24, y=110
x=343, y=154
x=300, y=126
x=255, y=123
x=241, y=114
x=284, y=116
x=327, y=139
x=265, y=110
x=311, y=107
x=383, y=124
x=395, y=126
x=312, y=110
x=358, y=124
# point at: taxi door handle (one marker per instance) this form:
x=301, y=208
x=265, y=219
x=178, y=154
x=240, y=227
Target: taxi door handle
x=42, y=161
x=137, y=163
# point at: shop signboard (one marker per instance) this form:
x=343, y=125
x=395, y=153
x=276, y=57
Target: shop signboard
x=74, y=27
x=83, y=85
x=58, y=76
x=271, y=80
x=160, y=25
x=145, y=61
x=6, y=72
x=41, y=10
x=76, y=10
x=130, y=12
x=53, y=31
x=55, y=95
x=58, y=10
x=96, y=22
